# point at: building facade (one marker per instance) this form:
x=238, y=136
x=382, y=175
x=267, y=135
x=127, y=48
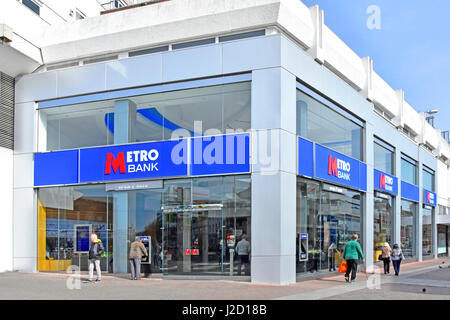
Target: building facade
x=265, y=125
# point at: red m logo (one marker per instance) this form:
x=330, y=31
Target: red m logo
x=428, y=197
x=332, y=166
x=382, y=181
x=115, y=163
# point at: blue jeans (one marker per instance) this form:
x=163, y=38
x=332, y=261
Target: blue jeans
x=135, y=267
x=396, y=264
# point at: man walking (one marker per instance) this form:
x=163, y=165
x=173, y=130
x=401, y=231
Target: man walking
x=137, y=250
x=95, y=253
x=242, y=251
x=352, y=252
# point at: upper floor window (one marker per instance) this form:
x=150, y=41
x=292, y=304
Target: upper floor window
x=32, y=5
x=383, y=156
x=325, y=124
x=409, y=170
x=428, y=179
x=218, y=109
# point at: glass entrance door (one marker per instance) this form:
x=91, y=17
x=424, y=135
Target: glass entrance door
x=193, y=238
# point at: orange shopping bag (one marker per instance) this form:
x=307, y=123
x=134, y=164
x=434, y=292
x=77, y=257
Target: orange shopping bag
x=343, y=267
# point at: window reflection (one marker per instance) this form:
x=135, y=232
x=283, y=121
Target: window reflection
x=407, y=230
x=323, y=125
x=207, y=111
x=329, y=219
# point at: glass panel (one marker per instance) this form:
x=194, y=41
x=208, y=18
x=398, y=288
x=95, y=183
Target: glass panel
x=329, y=219
x=383, y=159
x=409, y=171
x=427, y=239
x=60, y=211
x=407, y=230
x=382, y=224
x=428, y=180
x=320, y=124
x=213, y=110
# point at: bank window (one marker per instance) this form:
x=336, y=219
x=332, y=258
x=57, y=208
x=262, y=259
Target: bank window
x=209, y=110
x=428, y=179
x=409, y=170
x=383, y=156
x=322, y=124
x=407, y=228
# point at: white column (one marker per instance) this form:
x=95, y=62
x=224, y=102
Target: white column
x=368, y=201
x=273, y=176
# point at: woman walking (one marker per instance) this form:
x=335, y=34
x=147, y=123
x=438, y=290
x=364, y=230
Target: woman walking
x=386, y=257
x=397, y=257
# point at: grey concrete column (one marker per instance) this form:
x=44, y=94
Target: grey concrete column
x=124, y=122
x=419, y=215
x=368, y=200
x=434, y=233
x=397, y=217
x=273, y=223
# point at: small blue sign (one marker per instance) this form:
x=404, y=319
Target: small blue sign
x=410, y=192
x=303, y=236
x=82, y=234
x=55, y=168
x=134, y=161
x=385, y=182
x=224, y=154
x=305, y=157
x=429, y=198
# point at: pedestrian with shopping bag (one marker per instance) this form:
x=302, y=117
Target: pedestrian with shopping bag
x=352, y=252
x=397, y=257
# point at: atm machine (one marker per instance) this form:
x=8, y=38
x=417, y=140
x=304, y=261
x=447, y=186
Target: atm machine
x=303, y=247
x=146, y=261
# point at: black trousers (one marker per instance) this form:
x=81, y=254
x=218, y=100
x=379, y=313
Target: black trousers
x=386, y=263
x=352, y=266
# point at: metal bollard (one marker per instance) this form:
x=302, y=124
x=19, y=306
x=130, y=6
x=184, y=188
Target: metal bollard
x=231, y=262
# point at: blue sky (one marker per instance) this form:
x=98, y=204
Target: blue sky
x=411, y=51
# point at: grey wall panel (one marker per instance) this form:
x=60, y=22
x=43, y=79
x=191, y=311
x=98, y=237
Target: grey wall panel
x=80, y=80
x=191, y=63
x=24, y=230
x=251, y=54
x=23, y=170
x=133, y=72
x=24, y=129
x=36, y=86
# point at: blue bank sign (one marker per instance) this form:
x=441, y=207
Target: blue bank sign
x=315, y=160
x=385, y=182
x=224, y=154
x=137, y=161
x=429, y=197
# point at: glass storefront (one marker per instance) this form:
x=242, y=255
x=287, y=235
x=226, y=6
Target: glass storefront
x=192, y=224
x=442, y=240
x=427, y=231
x=382, y=224
x=323, y=125
x=407, y=229
x=329, y=218
x=204, y=111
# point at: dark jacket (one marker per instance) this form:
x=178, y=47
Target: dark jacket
x=96, y=250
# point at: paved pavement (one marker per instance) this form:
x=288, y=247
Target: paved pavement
x=414, y=277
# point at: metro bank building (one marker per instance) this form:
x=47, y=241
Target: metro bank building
x=239, y=120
